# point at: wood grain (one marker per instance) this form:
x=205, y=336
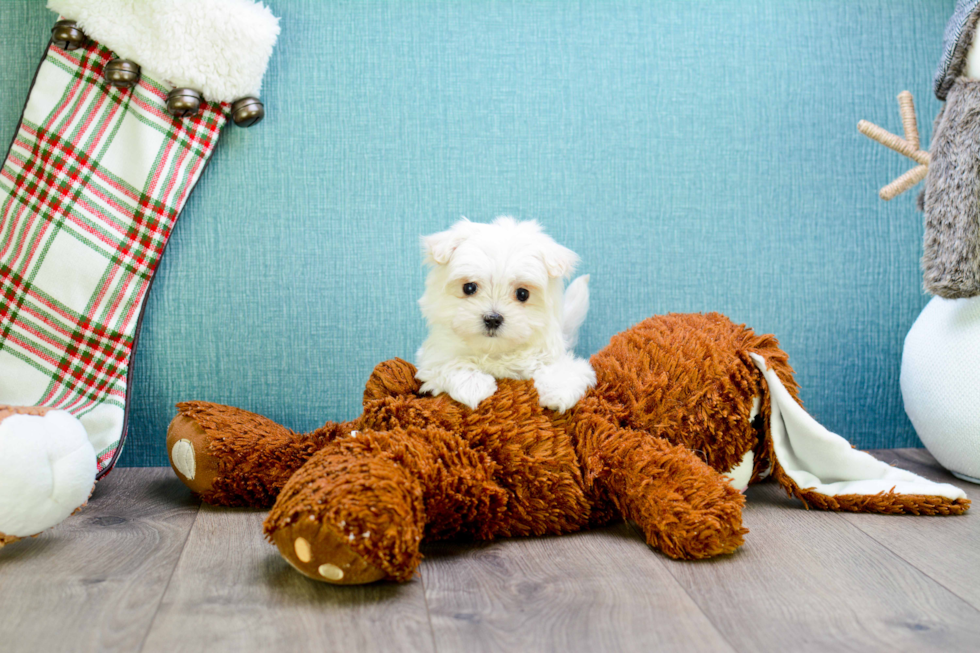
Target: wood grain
x=232, y=591
x=143, y=566
x=604, y=590
x=809, y=581
x=93, y=583
x=945, y=549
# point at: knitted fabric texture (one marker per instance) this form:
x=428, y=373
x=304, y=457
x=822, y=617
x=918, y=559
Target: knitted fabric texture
x=956, y=42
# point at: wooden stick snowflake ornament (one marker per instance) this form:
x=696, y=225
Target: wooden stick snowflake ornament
x=908, y=146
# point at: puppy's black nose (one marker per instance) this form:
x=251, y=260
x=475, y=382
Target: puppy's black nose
x=493, y=321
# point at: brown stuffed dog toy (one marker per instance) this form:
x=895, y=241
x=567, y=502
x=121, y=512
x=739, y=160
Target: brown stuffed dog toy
x=681, y=401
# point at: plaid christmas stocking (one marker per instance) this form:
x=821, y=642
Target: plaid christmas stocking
x=125, y=109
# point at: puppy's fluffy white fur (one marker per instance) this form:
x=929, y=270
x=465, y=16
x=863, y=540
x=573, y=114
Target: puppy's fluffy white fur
x=497, y=308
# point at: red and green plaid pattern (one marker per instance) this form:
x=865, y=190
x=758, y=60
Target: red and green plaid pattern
x=89, y=192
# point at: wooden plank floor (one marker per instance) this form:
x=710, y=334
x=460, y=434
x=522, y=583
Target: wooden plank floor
x=146, y=568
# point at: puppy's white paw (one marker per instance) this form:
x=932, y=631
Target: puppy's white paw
x=47, y=470
x=561, y=384
x=468, y=387
x=472, y=387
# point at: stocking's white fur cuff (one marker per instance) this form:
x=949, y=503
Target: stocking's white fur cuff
x=218, y=47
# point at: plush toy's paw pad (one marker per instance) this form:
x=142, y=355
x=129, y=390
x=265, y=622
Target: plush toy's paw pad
x=740, y=475
x=562, y=384
x=187, y=446
x=321, y=553
x=183, y=458
x=47, y=470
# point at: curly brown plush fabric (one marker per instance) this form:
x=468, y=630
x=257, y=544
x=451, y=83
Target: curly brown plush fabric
x=670, y=415
x=885, y=503
x=7, y=411
x=237, y=472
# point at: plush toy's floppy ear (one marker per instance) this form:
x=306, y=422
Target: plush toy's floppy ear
x=438, y=248
x=559, y=261
x=824, y=471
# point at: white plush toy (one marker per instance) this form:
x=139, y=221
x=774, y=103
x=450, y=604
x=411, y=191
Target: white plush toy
x=941, y=360
x=941, y=383
x=47, y=470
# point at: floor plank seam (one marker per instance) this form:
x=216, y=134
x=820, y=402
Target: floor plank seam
x=906, y=561
x=166, y=588
x=665, y=562
x=428, y=612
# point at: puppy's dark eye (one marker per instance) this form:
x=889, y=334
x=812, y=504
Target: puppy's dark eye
x=522, y=294
x=469, y=288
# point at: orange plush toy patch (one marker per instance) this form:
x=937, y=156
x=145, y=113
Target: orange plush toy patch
x=688, y=409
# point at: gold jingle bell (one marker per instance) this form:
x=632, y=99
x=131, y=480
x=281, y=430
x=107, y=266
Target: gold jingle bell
x=183, y=102
x=122, y=73
x=67, y=35
x=247, y=112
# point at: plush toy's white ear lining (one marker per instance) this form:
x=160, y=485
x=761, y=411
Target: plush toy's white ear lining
x=816, y=458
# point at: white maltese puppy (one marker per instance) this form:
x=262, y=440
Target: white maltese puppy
x=496, y=308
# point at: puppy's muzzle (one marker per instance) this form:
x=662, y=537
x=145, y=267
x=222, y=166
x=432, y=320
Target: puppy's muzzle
x=493, y=321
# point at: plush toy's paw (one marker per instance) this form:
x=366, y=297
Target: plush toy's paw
x=561, y=384
x=47, y=470
x=320, y=552
x=187, y=446
x=468, y=387
x=231, y=457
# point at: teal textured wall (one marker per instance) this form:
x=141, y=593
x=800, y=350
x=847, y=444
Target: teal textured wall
x=698, y=155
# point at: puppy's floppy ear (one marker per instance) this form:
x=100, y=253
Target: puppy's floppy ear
x=438, y=248
x=559, y=261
